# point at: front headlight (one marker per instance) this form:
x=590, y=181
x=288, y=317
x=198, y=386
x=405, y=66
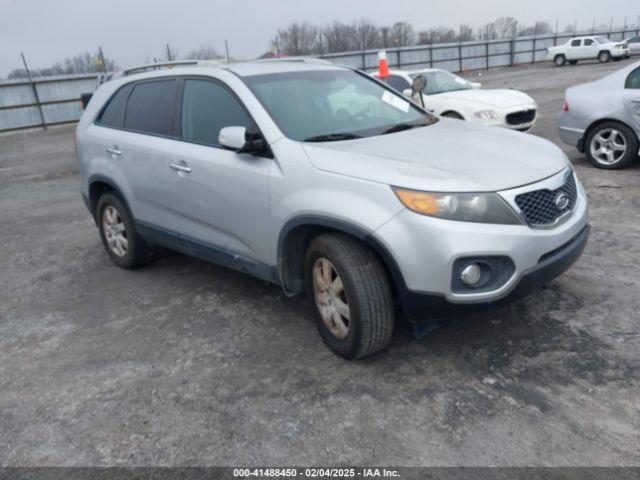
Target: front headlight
x=486, y=115
x=463, y=207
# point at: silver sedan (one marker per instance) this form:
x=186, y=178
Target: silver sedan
x=602, y=118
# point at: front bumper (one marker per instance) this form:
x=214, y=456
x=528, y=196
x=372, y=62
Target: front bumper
x=425, y=250
x=422, y=306
x=503, y=113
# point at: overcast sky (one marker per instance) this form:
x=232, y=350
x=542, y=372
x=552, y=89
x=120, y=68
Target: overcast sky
x=132, y=31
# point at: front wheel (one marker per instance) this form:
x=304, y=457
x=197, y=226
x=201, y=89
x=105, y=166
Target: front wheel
x=559, y=60
x=604, y=57
x=612, y=146
x=349, y=291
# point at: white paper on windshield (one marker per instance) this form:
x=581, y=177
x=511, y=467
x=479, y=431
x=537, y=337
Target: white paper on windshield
x=459, y=80
x=395, y=101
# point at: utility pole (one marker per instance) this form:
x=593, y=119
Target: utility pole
x=104, y=64
x=593, y=27
x=169, y=53
x=226, y=48
x=35, y=91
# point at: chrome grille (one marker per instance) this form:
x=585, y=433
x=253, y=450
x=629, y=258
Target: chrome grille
x=545, y=207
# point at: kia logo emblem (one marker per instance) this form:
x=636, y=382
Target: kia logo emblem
x=562, y=201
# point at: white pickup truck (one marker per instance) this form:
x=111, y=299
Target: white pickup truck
x=587, y=48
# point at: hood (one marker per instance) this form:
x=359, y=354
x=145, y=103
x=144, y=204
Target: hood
x=498, y=98
x=448, y=156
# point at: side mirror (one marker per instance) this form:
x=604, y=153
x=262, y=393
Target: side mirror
x=238, y=140
x=419, y=84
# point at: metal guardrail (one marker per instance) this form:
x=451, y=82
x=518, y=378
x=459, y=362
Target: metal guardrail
x=472, y=55
x=43, y=101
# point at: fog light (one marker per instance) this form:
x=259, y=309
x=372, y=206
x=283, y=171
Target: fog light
x=471, y=274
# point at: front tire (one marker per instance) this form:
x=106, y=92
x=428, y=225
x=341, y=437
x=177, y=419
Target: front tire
x=560, y=60
x=604, y=57
x=612, y=146
x=348, y=289
x=122, y=242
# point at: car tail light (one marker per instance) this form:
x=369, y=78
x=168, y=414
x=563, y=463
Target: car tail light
x=565, y=106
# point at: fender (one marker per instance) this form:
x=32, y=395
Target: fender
x=91, y=203
x=291, y=247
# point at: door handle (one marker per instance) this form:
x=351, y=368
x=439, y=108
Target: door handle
x=180, y=167
x=114, y=151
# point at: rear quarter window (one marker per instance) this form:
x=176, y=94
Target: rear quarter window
x=633, y=80
x=112, y=114
x=151, y=107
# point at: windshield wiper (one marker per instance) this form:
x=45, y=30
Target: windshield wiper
x=399, y=127
x=332, y=137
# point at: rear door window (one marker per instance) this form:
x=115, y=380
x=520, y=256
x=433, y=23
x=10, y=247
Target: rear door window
x=575, y=43
x=151, y=107
x=588, y=42
x=207, y=107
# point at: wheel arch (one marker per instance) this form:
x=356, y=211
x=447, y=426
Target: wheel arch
x=599, y=122
x=298, y=232
x=99, y=185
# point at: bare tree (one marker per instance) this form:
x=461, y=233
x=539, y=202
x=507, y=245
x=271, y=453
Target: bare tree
x=539, y=28
x=465, y=33
x=437, y=35
x=385, y=37
x=81, y=63
x=366, y=35
x=204, y=52
x=338, y=37
x=488, y=31
x=298, y=39
x=506, y=27
x=401, y=34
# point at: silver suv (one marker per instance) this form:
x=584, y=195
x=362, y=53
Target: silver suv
x=322, y=179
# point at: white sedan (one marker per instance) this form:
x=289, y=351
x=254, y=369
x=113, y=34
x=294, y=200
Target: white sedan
x=451, y=96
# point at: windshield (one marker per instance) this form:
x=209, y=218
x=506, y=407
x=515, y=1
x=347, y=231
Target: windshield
x=602, y=40
x=330, y=105
x=440, y=81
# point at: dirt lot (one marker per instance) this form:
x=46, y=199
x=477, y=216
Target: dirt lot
x=186, y=363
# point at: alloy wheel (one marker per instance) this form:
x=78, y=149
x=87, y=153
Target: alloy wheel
x=114, y=231
x=331, y=298
x=608, y=146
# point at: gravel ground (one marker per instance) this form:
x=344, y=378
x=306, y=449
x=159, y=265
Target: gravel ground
x=187, y=363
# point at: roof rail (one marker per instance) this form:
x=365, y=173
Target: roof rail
x=158, y=66
x=319, y=61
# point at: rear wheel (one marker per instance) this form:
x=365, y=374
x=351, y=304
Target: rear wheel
x=126, y=248
x=349, y=291
x=604, y=57
x=612, y=146
x=559, y=60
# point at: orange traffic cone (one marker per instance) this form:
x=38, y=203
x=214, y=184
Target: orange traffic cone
x=383, y=65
